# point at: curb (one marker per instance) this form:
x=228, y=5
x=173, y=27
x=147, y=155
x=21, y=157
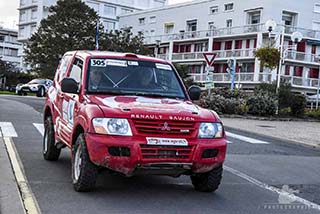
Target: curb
x=248, y=117
x=10, y=198
x=272, y=138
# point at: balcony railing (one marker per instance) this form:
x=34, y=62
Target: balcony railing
x=300, y=81
x=222, y=77
x=301, y=56
x=228, y=31
x=206, y=33
x=220, y=54
x=249, y=78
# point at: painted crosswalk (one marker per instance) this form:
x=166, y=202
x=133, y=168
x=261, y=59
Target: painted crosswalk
x=246, y=139
x=7, y=130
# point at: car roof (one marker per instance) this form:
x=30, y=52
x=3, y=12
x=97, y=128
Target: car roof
x=92, y=54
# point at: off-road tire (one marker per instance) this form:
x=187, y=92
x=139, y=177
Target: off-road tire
x=207, y=182
x=87, y=171
x=50, y=151
x=41, y=92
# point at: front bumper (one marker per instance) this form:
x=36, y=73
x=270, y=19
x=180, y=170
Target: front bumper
x=132, y=155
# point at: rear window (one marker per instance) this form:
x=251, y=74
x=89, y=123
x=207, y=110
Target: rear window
x=133, y=77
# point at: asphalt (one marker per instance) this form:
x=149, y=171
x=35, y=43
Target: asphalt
x=297, y=132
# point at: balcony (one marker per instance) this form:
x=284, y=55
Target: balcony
x=225, y=77
x=301, y=82
x=239, y=53
x=301, y=56
x=206, y=33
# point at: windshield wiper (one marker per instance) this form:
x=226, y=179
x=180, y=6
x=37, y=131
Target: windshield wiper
x=156, y=95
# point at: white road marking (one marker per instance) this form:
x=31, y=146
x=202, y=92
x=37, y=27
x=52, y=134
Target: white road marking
x=7, y=130
x=228, y=141
x=39, y=127
x=29, y=201
x=246, y=139
x=252, y=180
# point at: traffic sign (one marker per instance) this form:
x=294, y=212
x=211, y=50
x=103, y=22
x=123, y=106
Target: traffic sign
x=209, y=57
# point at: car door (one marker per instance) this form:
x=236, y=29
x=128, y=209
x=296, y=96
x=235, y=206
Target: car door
x=70, y=102
x=56, y=96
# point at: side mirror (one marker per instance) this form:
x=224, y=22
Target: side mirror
x=69, y=85
x=194, y=92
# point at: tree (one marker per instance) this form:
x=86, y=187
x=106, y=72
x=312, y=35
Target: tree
x=269, y=57
x=184, y=74
x=123, y=41
x=71, y=26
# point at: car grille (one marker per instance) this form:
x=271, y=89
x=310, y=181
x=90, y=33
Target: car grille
x=184, y=128
x=166, y=152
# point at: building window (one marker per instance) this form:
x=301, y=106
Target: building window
x=229, y=22
x=152, y=19
x=211, y=26
x=108, y=25
x=317, y=8
x=22, y=2
x=168, y=28
x=192, y=25
x=34, y=14
x=142, y=21
x=23, y=16
x=109, y=10
x=152, y=32
x=33, y=28
x=289, y=18
x=213, y=10
x=254, y=17
x=228, y=7
x=22, y=31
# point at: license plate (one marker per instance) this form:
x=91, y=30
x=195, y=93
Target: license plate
x=167, y=141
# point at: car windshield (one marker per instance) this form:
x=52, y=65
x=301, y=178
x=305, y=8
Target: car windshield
x=133, y=77
x=37, y=81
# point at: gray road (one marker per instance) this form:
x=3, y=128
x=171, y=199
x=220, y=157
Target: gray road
x=252, y=169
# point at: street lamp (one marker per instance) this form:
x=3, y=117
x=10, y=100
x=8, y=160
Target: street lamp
x=239, y=71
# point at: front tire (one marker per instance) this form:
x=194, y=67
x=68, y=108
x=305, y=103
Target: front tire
x=50, y=151
x=84, y=172
x=41, y=92
x=207, y=182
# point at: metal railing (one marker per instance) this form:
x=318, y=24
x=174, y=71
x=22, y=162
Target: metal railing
x=245, y=29
x=220, y=54
x=205, y=33
x=222, y=77
x=300, y=81
x=301, y=56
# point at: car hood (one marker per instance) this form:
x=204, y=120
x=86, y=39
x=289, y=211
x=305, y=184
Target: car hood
x=141, y=107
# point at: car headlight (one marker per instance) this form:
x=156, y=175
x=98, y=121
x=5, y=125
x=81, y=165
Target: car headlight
x=112, y=126
x=210, y=130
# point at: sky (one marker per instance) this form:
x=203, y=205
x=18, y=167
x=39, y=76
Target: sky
x=9, y=14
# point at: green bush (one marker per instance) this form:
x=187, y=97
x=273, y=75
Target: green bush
x=298, y=103
x=313, y=113
x=285, y=111
x=262, y=105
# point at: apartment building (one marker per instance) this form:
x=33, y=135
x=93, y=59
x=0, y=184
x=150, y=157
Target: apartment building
x=234, y=29
x=10, y=49
x=31, y=12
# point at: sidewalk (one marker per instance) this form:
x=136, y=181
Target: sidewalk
x=299, y=132
x=10, y=200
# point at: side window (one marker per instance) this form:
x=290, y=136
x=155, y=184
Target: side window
x=76, y=70
x=65, y=61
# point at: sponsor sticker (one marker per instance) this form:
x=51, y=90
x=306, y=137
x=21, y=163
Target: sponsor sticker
x=134, y=63
x=98, y=62
x=113, y=62
x=167, y=141
x=163, y=66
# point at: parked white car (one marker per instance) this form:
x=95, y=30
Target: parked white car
x=38, y=86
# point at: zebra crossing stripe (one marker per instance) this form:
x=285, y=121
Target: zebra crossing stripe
x=39, y=127
x=7, y=130
x=229, y=142
x=246, y=139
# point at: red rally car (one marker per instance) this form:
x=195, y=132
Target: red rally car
x=130, y=114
